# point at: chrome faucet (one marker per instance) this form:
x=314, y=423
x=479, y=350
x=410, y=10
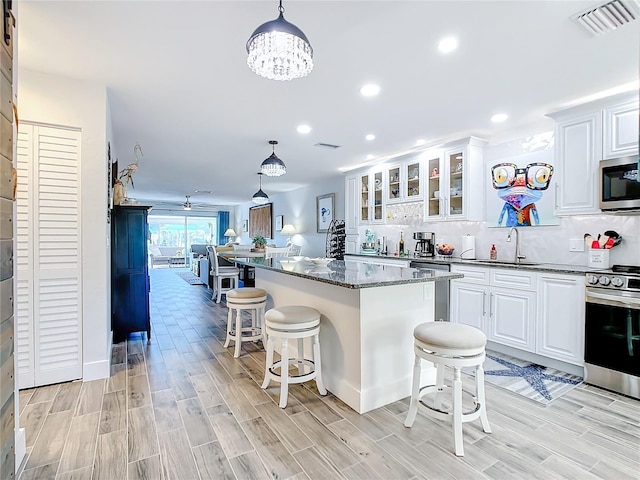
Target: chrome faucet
x=519, y=255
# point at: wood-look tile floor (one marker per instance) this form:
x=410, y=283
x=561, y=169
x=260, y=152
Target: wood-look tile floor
x=181, y=407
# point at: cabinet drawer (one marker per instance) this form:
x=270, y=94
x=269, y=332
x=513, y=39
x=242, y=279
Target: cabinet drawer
x=6, y=259
x=6, y=107
x=6, y=341
x=513, y=279
x=471, y=275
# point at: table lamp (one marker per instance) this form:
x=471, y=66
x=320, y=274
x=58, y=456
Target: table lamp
x=230, y=232
x=288, y=230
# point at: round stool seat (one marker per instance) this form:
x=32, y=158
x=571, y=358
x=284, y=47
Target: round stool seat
x=451, y=336
x=292, y=318
x=246, y=293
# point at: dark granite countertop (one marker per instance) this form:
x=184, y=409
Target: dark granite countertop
x=536, y=267
x=349, y=274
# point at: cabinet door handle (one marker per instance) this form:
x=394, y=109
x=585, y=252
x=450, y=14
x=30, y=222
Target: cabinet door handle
x=556, y=195
x=484, y=303
x=490, y=305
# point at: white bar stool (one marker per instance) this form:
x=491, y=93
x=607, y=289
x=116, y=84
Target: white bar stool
x=452, y=345
x=239, y=299
x=292, y=322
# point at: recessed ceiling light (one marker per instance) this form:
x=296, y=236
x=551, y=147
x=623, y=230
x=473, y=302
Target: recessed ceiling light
x=303, y=128
x=370, y=157
x=499, y=117
x=420, y=141
x=370, y=90
x=370, y=136
x=448, y=44
x=203, y=191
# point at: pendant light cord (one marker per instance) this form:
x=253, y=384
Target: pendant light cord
x=281, y=8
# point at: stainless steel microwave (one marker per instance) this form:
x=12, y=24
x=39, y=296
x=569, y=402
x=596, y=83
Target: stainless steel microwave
x=619, y=184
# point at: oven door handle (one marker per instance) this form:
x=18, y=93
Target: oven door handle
x=616, y=300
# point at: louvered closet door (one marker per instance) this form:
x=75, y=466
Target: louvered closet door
x=48, y=256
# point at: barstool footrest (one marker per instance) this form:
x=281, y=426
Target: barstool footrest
x=294, y=378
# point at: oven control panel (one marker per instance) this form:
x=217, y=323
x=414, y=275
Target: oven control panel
x=614, y=281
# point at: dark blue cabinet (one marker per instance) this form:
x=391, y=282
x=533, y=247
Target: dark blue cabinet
x=129, y=272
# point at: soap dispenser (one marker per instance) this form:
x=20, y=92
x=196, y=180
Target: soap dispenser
x=493, y=254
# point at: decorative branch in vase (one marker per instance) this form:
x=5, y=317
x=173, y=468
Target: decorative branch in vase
x=125, y=178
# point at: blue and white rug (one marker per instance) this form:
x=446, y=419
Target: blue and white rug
x=542, y=384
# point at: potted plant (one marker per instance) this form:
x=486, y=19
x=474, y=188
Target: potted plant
x=260, y=242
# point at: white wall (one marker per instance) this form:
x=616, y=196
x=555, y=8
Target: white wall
x=62, y=101
x=299, y=209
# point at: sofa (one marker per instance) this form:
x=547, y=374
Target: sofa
x=164, y=255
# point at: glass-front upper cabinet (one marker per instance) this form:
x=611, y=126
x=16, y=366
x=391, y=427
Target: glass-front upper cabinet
x=455, y=165
x=371, y=198
x=455, y=175
x=404, y=181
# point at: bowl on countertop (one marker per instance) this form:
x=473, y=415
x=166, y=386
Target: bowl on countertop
x=320, y=261
x=446, y=253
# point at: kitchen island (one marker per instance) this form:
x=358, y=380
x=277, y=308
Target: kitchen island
x=368, y=316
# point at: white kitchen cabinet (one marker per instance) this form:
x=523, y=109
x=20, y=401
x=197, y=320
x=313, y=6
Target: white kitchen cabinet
x=450, y=171
x=404, y=180
x=577, y=153
x=560, y=320
x=512, y=316
x=351, y=194
x=584, y=135
x=621, y=129
x=371, y=205
x=499, y=302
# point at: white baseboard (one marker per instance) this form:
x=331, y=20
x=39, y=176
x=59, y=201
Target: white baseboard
x=21, y=450
x=96, y=370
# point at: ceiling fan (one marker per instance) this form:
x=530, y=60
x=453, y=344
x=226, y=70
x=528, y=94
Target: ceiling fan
x=186, y=206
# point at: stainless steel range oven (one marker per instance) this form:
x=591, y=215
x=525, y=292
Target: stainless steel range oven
x=612, y=330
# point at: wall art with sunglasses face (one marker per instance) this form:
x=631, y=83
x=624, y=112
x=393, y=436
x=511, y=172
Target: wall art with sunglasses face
x=521, y=186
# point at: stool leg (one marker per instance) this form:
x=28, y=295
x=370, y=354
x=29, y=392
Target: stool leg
x=481, y=399
x=318, y=365
x=301, y=356
x=229, y=324
x=437, y=400
x=236, y=354
x=262, y=326
x=415, y=392
x=219, y=285
x=457, y=412
x=268, y=363
x=284, y=373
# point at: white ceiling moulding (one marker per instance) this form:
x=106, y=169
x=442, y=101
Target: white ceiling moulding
x=608, y=16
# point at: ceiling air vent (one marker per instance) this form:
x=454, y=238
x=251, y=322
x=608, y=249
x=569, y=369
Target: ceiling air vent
x=608, y=16
x=327, y=145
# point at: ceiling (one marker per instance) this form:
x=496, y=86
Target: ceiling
x=178, y=83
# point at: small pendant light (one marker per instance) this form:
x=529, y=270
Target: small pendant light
x=273, y=166
x=260, y=197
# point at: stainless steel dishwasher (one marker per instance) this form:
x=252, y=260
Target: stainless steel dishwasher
x=442, y=289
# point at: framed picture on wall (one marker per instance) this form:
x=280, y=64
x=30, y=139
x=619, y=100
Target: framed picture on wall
x=324, y=211
x=279, y=222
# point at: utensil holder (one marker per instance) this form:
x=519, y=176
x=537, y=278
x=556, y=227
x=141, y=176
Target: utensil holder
x=598, y=258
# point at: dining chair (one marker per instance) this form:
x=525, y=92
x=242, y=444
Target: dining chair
x=272, y=252
x=219, y=273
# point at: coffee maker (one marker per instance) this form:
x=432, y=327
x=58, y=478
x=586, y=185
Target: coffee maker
x=425, y=245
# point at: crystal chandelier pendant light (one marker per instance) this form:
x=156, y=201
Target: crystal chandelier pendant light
x=273, y=166
x=278, y=50
x=260, y=197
